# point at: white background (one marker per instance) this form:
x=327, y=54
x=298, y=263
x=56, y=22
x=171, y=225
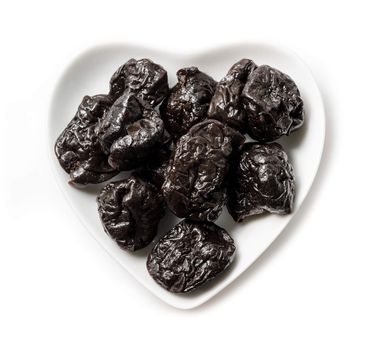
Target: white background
x=313, y=289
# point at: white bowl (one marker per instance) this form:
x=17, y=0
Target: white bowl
x=89, y=74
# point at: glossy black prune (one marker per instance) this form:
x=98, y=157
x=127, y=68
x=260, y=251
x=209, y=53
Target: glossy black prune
x=190, y=255
x=194, y=187
x=262, y=181
x=226, y=104
x=273, y=103
x=78, y=148
x=188, y=101
x=130, y=132
x=146, y=79
x=130, y=211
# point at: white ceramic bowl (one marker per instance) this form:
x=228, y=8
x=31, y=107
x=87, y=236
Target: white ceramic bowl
x=89, y=74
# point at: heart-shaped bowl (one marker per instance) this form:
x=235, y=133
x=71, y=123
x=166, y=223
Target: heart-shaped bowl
x=89, y=74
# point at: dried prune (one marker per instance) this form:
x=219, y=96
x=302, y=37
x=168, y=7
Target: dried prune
x=78, y=148
x=130, y=131
x=273, y=103
x=155, y=168
x=130, y=211
x=145, y=78
x=188, y=101
x=262, y=181
x=226, y=104
x=194, y=187
x=190, y=255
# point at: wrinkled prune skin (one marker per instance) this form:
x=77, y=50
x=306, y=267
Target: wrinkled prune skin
x=273, y=103
x=226, y=104
x=262, y=181
x=78, y=148
x=130, y=132
x=155, y=168
x=130, y=211
x=194, y=187
x=188, y=101
x=146, y=79
x=190, y=255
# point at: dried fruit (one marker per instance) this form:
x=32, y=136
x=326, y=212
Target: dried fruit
x=190, y=255
x=130, y=211
x=195, y=183
x=130, y=132
x=146, y=79
x=188, y=101
x=226, y=104
x=78, y=148
x=191, y=157
x=273, y=103
x=263, y=181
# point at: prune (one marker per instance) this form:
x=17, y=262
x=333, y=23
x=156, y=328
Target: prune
x=226, y=104
x=273, y=103
x=194, y=187
x=78, y=148
x=190, y=255
x=262, y=181
x=130, y=211
x=188, y=101
x=130, y=131
x=144, y=78
x=155, y=168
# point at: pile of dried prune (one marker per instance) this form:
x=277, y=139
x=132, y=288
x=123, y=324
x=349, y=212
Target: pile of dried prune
x=186, y=147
